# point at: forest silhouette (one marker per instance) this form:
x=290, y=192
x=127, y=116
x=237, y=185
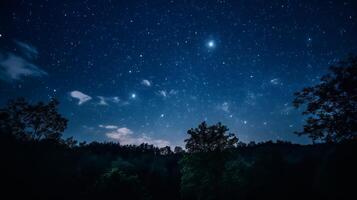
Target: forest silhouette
x=38, y=163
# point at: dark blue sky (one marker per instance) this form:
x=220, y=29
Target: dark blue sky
x=146, y=71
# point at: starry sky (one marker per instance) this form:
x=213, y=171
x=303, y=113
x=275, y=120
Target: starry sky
x=146, y=71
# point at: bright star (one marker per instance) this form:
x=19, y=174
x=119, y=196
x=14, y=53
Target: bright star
x=211, y=44
x=133, y=96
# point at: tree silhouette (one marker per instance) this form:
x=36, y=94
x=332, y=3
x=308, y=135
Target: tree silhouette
x=332, y=104
x=38, y=121
x=209, y=138
x=178, y=150
x=166, y=150
x=203, y=167
x=107, y=170
x=117, y=183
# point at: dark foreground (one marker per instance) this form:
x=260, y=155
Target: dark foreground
x=50, y=170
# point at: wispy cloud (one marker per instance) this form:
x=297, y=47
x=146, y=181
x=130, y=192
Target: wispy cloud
x=27, y=49
x=162, y=93
x=105, y=100
x=14, y=67
x=102, y=101
x=82, y=98
x=166, y=94
x=126, y=136
x=224, y=107
x=275, y=81
x=108, y=126
x=146, y=83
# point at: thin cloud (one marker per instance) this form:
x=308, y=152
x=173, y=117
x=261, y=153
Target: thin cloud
x=146, y=83
x=166, y=94
x=125, y=136
x=108, y=126
x=275, y=81
x=13, y=68
x=162, y=93
x=173, y=92
x=104, y=101
x=82, y=98
x=28, y=50
x=224, y=107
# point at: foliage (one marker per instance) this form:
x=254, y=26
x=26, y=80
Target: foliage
x=38, y=121
x=116, y=183
x=40, y=168
x=202, y=169
x=332, y=104
x=210, y=138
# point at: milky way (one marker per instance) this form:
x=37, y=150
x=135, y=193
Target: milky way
x=146, y=71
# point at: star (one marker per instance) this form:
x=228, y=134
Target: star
x=213, y=70
x=211, y=44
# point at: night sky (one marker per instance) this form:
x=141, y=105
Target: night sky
x=146, y=71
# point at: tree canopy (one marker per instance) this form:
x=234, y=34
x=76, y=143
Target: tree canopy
x=210, y=138
x=331, y=105
x=203, y=167
x=106, y=170
x=33, y=121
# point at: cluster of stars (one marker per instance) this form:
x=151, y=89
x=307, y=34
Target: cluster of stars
x=164, y=68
